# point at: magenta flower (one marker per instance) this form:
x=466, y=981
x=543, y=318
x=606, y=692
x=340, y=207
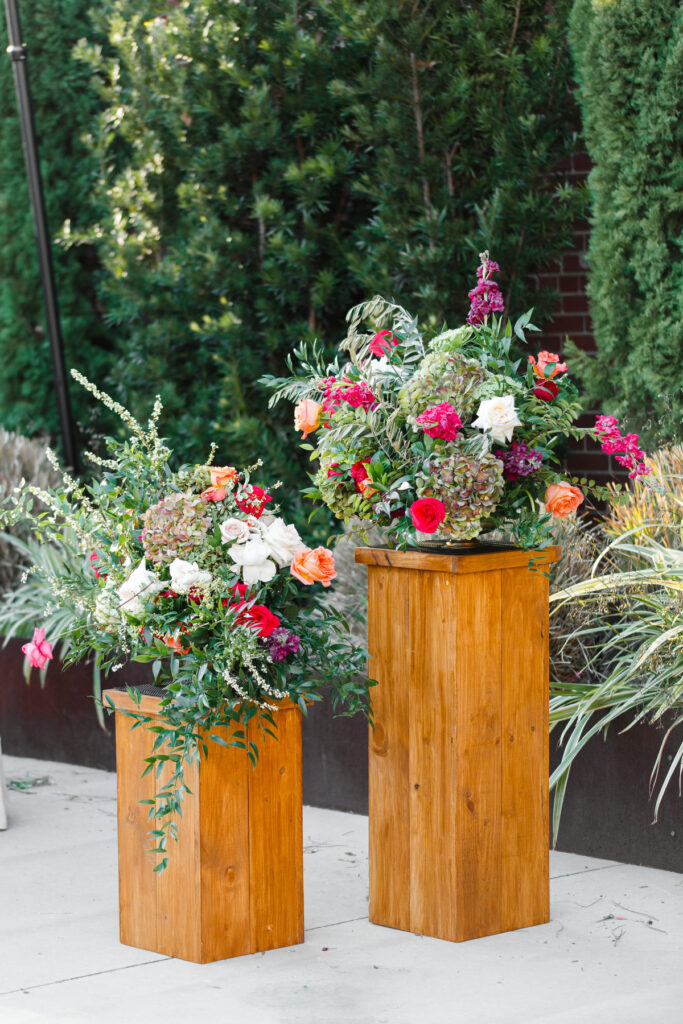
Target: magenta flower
x=358, y=395
x=519, y=461
x=486, y=297
x=38, y=651
x=625, y=447
x=281, y=642
x=440, y=422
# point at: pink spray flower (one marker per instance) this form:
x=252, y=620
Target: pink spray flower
x=38, y=651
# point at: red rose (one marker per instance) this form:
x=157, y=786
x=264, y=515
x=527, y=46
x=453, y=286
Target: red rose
x=546, y=390
x=261, y=619
x=381, y=343
x=426, y=514
x=254, y=501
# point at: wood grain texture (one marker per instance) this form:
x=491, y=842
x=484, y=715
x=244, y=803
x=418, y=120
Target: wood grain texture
x=137, y=881
x=432, y=790
x=224, y=852
x=482, y=561
x=276, y=837
x=525, y=888
x=459, y=757
x=234, y=882
x=477, y=836
x=179, y=892
x=389, y=799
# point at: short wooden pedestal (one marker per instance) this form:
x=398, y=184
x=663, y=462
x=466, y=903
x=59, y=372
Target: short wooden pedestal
x=234, y=881
x=459, y=753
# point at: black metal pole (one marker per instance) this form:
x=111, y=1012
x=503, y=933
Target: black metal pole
x=17, y=53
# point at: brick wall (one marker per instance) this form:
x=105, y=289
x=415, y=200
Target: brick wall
x=571, y=318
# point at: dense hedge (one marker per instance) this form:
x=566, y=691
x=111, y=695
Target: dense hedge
x=64, y=105
x=262, y=166
x=629, y=59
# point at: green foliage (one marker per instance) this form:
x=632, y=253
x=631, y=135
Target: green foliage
x=64, y=106
x=629, y=59
x=258, y=176
x=626, y=635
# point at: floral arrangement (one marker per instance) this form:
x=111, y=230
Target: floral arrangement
x=458, y=436
x=193, y=570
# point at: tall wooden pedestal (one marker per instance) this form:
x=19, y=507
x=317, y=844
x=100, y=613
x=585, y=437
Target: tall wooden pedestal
x=234, y=881
x=459, y=753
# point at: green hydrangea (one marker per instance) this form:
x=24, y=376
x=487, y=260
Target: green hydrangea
x=495, y=387
x=443, y=377
x=470, y=487
x=451, y=341
x=174, y=526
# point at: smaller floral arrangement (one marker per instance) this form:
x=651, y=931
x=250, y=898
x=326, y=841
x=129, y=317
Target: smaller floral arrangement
x=193, y=570
x=458, y=435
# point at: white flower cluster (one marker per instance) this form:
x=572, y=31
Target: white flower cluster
x=261, y=546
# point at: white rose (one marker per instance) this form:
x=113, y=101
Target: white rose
x=282, y=541
x=234, y=529
x=187, y=575
x=499, y=417
x=141, y=585
x=254, y=559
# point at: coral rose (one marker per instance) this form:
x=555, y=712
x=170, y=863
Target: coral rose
x=562, y=499
x=223, y=476
x=307, y=416
x=427, y=514
x=213, y=494
x=314, y=566
x=544, y=360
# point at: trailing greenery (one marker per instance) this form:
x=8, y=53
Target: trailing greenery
x=258, y=177
x=629, y=61
x=627, y=637
x=64, y=105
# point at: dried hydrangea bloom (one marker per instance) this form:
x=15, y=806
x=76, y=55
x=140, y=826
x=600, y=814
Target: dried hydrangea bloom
x=174, y=526
x=470, y=488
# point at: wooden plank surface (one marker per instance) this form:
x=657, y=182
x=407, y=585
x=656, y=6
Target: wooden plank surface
x=525, y=883
x=276, y=836
x=462, y=563
x=179, y=904
x=432, y=754
x=224, y=852
x=137, y=881
x=389, y=798
x=477, y=835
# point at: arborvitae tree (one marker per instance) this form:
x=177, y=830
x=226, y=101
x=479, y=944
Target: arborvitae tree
x=629, y=59
x=467, y=111
x=64, y=104
x=267, y=164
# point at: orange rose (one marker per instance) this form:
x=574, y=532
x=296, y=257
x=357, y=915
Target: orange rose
x=544, y=359
x=366, y=490
x=562, y=499
x=307, y=416
x=223, y=476
x=317, y=566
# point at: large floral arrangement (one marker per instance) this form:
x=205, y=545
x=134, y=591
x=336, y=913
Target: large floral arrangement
x=458, y=436
x=192, y=570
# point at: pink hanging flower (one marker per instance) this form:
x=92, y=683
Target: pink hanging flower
x=38, y=651
x=381, y=343
x=440, y=422
x=625, y=447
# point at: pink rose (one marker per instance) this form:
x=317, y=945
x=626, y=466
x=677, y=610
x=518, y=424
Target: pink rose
x=39, y=651
x=427, y=514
